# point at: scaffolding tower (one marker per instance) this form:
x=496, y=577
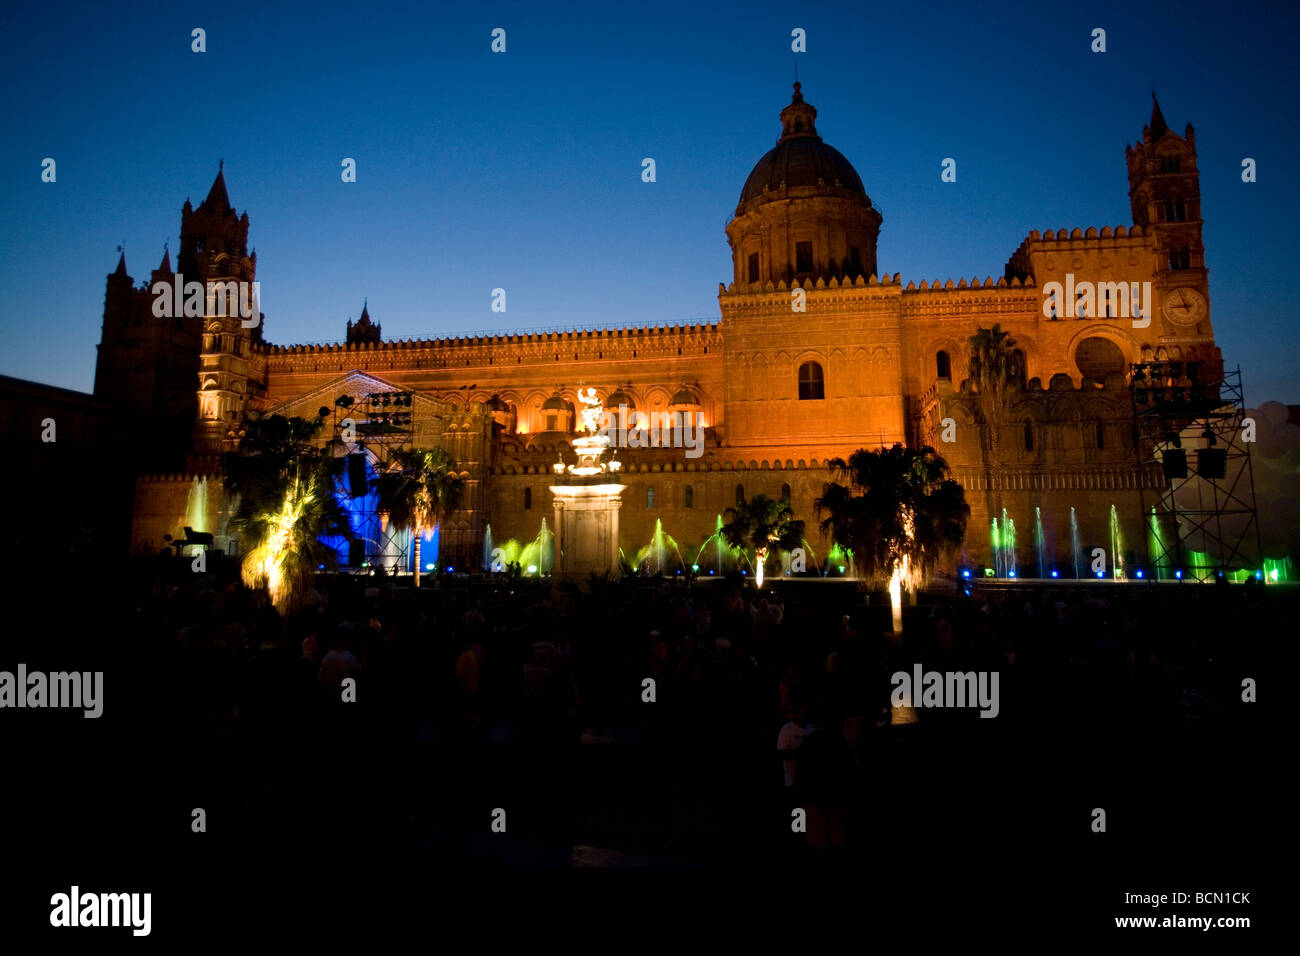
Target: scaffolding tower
x=367, y=429
x=1190, y=421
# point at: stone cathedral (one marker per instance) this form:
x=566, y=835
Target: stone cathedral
x=870, y=360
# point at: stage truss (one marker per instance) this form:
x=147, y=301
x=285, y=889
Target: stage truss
x=367, y=429
x=1190, y=420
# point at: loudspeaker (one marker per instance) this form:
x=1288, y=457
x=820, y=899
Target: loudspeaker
x=357, y=475
x=1174, y=462
x=1211, y=462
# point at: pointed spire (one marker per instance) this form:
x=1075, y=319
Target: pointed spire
x=365, y=311
x=166, y=264
x=218, y=199
x=121, y=262
x=1158, y=125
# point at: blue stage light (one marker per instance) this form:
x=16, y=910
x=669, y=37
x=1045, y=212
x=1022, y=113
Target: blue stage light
x=1055, y=573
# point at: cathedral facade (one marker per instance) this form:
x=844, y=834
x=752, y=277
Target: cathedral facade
x=815, y=354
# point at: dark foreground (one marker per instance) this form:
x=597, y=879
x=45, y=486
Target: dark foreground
x=336, y=817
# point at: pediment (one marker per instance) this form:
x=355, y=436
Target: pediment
x=359, y=384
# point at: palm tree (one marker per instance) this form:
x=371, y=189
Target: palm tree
x=289, y=550
x=286, y=503
x=900, y=514
x=994, y=364
x=272, y=450
x=759, y=524
x=417, y=490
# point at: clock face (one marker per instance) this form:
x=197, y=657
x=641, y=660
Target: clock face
x=1184, y=306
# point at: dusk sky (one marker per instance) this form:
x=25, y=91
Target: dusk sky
x=522, y=170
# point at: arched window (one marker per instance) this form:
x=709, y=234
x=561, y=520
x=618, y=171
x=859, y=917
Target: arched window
x=740, y=494
x=688, y=497
x=1029, y=436
x=528, y=499
x=1101, y=436
x=812, y=386
x=943, y=365
x=1018, y=365
x=650, y=496
x=785, y=492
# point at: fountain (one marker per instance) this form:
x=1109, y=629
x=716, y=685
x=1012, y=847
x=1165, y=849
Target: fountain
x=721, y=551
x=1076, y=548
x=538, y=556
x=1002, y=539
x=840, y=560
x=1040, y=543
x=1156, y=548
x=487, y=549
x=196, y=506
x=654, y=557
x=1116, y=547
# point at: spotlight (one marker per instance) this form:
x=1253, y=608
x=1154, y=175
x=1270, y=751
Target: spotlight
x=1011, y=574
x=1259, y=575
x=710, y=570
x=1101, y=574
x=841, y=567
x=1055, y=573
x=1179, y=574
x=450, y=569
x=967, y=591
x=1139, y=573
x=965, y=572
x=990, y=573
x=532, y=569
x=695, y=567
x=428, y=567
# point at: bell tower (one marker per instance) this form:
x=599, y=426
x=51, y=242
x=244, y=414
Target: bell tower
x=214, y=252
x=1165, y=198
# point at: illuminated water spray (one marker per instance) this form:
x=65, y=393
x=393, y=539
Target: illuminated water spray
x=1116, y=546
x=1040, y=543
x=538, y=556
x=1076, y=548
x=1002, y=538
x=196, y=505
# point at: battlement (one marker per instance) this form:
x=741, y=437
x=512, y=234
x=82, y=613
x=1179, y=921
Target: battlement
x=516, y=337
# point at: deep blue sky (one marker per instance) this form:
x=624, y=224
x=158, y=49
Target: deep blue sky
x=522, y=170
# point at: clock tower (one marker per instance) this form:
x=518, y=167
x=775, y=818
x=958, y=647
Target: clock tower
x=1165, y=197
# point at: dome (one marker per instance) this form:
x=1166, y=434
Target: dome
x=554, y=404
x=800, y=157
x=804, y=161
x=684, y=397
x=618, y=398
